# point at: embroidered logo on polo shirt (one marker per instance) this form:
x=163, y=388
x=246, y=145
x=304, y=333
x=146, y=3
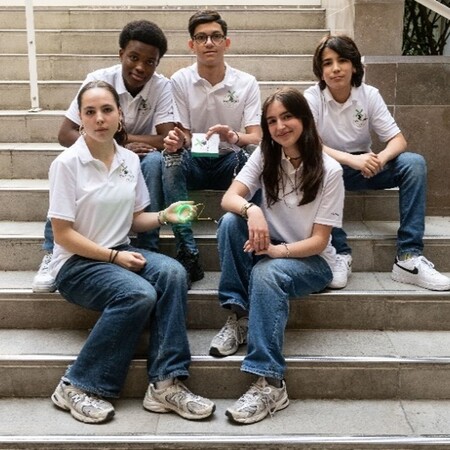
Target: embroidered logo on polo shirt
x=359, y=118
x=231, y=98
x=143, y=106
x=125, y=173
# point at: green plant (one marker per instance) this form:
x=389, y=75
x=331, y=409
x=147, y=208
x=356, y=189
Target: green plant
x=424, y=31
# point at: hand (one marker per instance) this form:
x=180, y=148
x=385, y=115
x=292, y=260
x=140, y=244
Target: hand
x=368, y=163
x=226, y=133
x=132, y=261
x=140, y=148
x=273, y=251
x=258, y=231
x=174, y=140
x=180, y=212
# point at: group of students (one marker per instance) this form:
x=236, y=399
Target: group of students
x=280, y=238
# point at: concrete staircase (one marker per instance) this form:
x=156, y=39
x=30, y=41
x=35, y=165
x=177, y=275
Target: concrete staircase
x=368, y=366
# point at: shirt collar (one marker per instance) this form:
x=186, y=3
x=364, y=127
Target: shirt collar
x=227, y=80
x=352, y=99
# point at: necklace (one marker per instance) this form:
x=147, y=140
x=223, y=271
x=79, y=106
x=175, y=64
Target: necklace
x=294, y=187
x=291, y=158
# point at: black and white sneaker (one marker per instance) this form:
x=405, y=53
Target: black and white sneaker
x=419, y=271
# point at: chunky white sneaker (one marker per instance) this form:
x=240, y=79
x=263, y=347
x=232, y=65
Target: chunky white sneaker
x=342, y=269
x=43, y=281
x=420, y=272
x=259, y=401
x=178, y=399
x=84, y=407
x=233, y=334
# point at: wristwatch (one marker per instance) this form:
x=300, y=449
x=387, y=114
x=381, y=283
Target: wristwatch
x=245, y=208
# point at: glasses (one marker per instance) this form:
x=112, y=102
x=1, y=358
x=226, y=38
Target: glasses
x=202, y=38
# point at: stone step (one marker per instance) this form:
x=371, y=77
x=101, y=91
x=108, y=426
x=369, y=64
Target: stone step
x=321, y=364
x=29, y=423
x=373, y=244
x=58, y=94
x=75, y=67
x=244, y=42
x=167, y=17
x=371, y=301
x=27, y=199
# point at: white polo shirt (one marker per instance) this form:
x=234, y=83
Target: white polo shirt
x=151, y=107
x=100, y=203
x=287, y=221
x=348, y=126
x=235, y=101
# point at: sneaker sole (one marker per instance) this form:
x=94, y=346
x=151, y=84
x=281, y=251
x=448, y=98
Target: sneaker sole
x=249, y=420
x=214, y=351
x=157, y=407
x=60, y=403
x=43, y=289
x=400, y=278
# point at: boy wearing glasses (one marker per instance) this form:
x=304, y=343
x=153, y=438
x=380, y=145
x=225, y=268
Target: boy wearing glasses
x=213, y=98
x=147, y=106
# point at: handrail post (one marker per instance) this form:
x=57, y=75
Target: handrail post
x=32, y=63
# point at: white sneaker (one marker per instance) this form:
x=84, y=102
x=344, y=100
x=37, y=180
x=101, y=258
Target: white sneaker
x=43, y=281
x=84, y=407
x=233, y=334
x=179, y=399
x=259, y=401
x=420, y=272
x=341, y=269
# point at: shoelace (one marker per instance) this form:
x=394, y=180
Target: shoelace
x=256, y=391
x=341, y=264
x=428, y=266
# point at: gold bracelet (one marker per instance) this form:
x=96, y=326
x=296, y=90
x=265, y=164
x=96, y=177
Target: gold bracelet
x=245, y=208
x=288, y=253
x=162, y=219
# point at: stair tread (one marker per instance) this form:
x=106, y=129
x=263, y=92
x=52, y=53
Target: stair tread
x=360, y=283
x=301, y=346
x=436, y=227
x=304, y=421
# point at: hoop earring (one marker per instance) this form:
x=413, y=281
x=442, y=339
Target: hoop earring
x=120, y=128
x=81, y=130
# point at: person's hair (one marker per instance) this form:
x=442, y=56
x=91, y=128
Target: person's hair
x=309, y=145
x=345, y=47
x=120, y=136
x=146, y=32
x=206, y=16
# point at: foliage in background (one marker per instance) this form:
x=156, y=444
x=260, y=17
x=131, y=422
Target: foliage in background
x=424, y=31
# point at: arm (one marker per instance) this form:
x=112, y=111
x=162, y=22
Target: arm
x=74, y=242
x=252, y=134
x=141, y=144
x=68, y=133
x=258, y=230
x=313, y=245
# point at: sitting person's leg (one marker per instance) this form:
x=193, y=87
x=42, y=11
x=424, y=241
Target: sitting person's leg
x=272, y=283
x=43, y=281
x=151, y=166
x=177, y=174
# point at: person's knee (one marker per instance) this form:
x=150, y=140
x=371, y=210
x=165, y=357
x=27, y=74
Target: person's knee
x=414, y=163
x=151, y=164
x=231, y=223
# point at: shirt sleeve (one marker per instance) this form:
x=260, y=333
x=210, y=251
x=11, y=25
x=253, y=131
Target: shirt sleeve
x=381, y=120
x=72, y=112
x=251, y=172
x=252, y=111
x=180, y=101
x=164, y=111
x=62, y=191
x=332, y=204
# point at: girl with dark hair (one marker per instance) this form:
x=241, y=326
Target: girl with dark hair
x=276, y=251
x=348, y=112
x=97, y=194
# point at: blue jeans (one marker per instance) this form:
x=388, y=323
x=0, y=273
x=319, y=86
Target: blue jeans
x=151, y=166
x=263, y=286
x=182, y=172
x=129, y=302
x=408, y=172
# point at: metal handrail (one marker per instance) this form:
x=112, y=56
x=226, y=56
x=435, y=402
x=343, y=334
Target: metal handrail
x=32, y=61
x=437, y=7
